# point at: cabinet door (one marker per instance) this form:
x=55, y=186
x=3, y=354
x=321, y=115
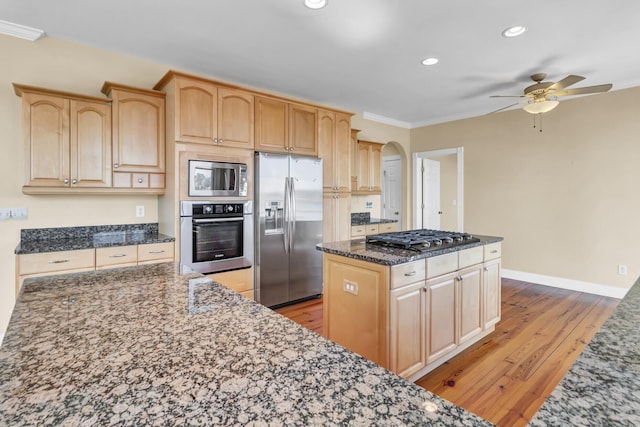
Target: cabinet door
x=336, y=220
x=470, y=305
x=342, y=153
x=375, y=167
x=353, y=150
x=362, y=163
x=303, y=130
x=491, y=288
x=138, y=132
x=271, y=125
x=235, y=118
x=196, y=111
x=46, y=128
x=90, y=144
x=441, y=317
x=407, y=329
x=326, y=148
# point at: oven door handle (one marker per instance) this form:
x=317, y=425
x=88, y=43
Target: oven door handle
x=210, y=220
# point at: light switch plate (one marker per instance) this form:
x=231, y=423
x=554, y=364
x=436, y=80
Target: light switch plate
x=13, y=213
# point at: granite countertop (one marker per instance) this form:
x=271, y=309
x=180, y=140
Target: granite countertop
x=359, y=249
x=602, y=388
x=148, y=345
x=75, y=238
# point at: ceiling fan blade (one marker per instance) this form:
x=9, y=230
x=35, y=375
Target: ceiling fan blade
x=507, y=96
x=584, y=90
x=566, y=82
x=509, y=106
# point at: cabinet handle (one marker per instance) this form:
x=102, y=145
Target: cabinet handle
x=411, y=273
x=156, y=252
x=116, y=165
x=140, y=180
x=117, y=255
x=215, y=140
x=486, y=269
x=424, y=289
x=66, y=180
x=290, y=148
x=59, y=261
x=74, y=181
x=495, y=251
x=220, y=141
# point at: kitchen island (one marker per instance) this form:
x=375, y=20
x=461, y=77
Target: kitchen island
x=411, y=309
x=151, y=345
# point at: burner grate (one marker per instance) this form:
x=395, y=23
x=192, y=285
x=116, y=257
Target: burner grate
x=421, y=240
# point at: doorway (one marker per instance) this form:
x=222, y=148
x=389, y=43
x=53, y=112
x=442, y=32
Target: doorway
x=439, y=189
x=392, y=188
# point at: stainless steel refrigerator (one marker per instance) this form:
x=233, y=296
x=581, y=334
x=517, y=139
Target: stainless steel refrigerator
x=288, y=215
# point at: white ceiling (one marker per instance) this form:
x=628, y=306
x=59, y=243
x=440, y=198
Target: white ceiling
x=363, y=55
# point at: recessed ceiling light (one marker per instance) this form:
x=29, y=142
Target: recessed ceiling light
x=21, y=31
x=315, y=4
x=514, y=31
x=430, y=61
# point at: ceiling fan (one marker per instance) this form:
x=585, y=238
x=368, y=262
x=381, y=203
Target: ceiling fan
x=542, y=96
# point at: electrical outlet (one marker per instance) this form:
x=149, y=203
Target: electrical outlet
x=350, y=287
x=139, y=211
x=622, y=269
x=13, y=213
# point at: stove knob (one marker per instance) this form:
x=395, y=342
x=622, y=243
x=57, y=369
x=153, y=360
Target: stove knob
x=230, y=208
x=208, y=209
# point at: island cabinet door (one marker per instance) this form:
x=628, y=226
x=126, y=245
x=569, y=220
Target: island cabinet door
x=470, y=303
x=441, y=316
x=407, y=329
x=491, y=290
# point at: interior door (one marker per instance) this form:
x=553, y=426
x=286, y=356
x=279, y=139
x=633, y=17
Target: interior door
x=392, y=190
x=431, y=194
x=305, y=260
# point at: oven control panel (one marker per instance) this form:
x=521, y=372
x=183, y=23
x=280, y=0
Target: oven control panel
x=218, y=209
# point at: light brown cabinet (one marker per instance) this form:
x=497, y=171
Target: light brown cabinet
x=336, y=218
x=436, y=307
x=208, y=114
x=369, y=167
x=285, y=127
x=334, y=134
x=67, y=140
x=138, y=136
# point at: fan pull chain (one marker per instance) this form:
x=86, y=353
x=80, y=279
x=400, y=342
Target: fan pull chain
x=540, y=119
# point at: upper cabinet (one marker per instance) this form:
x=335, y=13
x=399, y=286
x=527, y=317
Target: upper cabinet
x=334, y=133
x=67, y=139
x=138, y=136
x=206, y=113
x=369, y=167
x=285, y=127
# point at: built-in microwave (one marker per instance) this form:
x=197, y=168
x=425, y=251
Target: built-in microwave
x=217, y=179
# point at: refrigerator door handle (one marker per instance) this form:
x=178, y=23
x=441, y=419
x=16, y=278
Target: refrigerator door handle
x=292, y=239
x=287, y=207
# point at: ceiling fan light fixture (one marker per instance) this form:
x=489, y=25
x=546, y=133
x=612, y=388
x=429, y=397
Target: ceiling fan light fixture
x=315, y=4
x=539, y=107
x=515, y=31
x=430, y=61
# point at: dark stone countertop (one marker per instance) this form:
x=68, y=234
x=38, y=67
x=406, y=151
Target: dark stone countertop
x=359, y=249
x=372, y=221
x=602, y=388
x=76, y=238
x=148, y=345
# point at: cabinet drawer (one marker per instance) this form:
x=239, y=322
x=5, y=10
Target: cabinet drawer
x=371, y=229
x=240, y=281
x=56, y=261
x=471, y=256
x=116, y=256
x=442, y=264
x=388, y=227
x=410, y=272
x=492, y=251
x=155, y=251
x=358, y=230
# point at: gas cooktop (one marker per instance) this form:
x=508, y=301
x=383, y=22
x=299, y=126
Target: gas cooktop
x=421, y=240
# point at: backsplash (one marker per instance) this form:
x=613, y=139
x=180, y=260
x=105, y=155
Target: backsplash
x=86, y=231
x=360, y=218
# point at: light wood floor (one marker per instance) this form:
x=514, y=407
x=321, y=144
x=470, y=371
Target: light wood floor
x=505, y=377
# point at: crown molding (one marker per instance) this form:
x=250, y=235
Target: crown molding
x=20, y=31
x=386, y=120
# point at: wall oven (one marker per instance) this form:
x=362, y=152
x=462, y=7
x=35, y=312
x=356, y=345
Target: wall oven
x=216, y=236
x=217, y=179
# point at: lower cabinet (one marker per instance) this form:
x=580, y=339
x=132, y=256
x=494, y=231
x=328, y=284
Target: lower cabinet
x=62, y=262
x=336, y=224
x=431, y=315
x=240, y=281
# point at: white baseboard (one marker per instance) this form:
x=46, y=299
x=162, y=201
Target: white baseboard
x=570, y=284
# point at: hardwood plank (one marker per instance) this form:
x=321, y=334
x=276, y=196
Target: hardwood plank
x=508, y=375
